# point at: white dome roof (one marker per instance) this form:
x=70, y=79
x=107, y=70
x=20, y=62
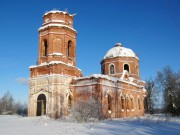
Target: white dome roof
x=119, y=51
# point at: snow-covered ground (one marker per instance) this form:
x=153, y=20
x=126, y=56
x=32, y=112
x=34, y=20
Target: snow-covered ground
x=149, y=125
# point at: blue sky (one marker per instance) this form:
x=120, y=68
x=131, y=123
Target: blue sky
x=151, y=28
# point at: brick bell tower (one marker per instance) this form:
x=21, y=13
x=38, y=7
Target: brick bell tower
x=50, y=79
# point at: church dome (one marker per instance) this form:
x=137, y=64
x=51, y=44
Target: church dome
x=119, y=51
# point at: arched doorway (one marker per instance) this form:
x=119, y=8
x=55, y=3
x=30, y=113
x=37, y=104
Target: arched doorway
x=41, y=105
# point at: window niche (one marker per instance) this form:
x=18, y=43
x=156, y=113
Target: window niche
x=132, y=103
x=139, y=105
x=69, y=102
x=112, y=69
x=109, y=102
x=122, y=102
x=127, y=103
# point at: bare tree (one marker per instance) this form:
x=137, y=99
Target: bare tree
x=168, y=82
x=150, y=84
x=6, y=104
x=177, y=94
x=9, y=106
x=20, y=108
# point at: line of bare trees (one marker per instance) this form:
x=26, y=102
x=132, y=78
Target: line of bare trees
x=8, y=106
x=163, y=92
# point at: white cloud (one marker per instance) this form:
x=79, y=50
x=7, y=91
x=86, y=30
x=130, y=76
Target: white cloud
x=22, y=80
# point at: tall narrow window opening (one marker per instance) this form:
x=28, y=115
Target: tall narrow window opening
x=69, y=49
x=139, y=104
x=126, y=67
x=122, y=102
x=137, y=70
x=127, y=103
x=69, y=102
x=145, y=104
x=112, y=69
x=132, y=103
x=109, y=102
x=45, y=48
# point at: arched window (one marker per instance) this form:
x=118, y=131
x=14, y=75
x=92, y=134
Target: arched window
x=139, y=105
x=69, y=49
x=127, y=103
x=109, y=102
x=122, y=102
x=112, y=69
x=45, y=50
x=126, y=67
x=132, y=103
x=145, y=104
x=69, y=102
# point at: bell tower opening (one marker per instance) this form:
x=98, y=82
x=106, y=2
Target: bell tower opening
x=45, y=48
x=41, y=105
x=69, y=48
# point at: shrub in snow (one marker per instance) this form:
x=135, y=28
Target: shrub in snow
x=87, y=110
x=20, y=109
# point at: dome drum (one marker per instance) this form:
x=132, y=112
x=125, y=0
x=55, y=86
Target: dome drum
x=122, y=59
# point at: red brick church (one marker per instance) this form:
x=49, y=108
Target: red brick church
x=56, y=84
